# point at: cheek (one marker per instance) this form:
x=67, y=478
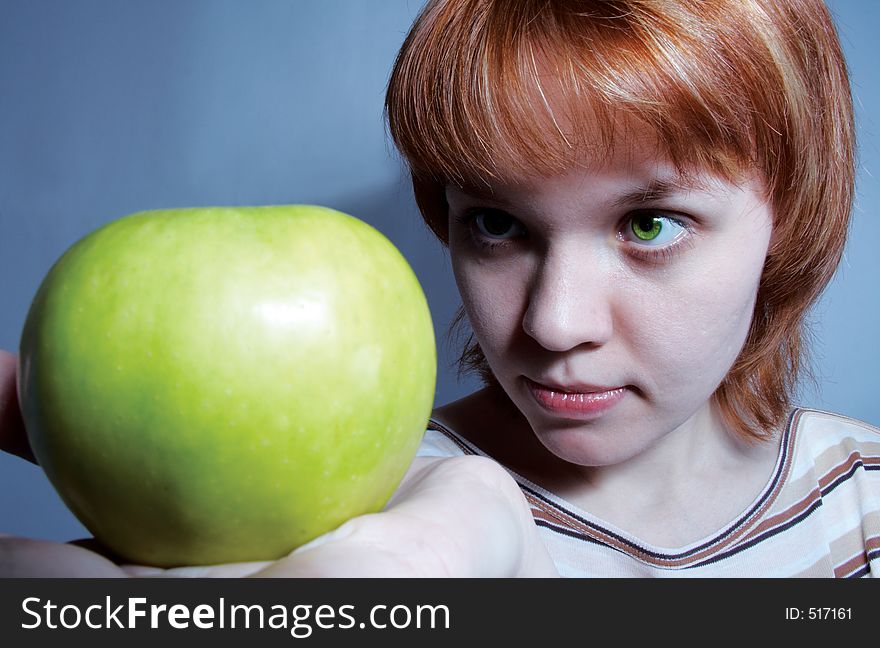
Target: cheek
x=493, y=302
x=696, y=327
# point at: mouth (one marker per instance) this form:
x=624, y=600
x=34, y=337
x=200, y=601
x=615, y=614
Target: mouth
x=579, y=400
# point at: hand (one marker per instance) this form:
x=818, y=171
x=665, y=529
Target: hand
x=457, y=517
x=460, y=517
x=12, y=435
x=463, y=516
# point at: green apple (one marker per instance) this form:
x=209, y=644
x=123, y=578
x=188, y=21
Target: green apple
x=225, y=384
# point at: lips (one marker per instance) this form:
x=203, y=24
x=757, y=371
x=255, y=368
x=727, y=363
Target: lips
x=581, y=399
x=574, y=388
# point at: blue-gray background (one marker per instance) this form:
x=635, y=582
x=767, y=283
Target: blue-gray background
x=113, y=106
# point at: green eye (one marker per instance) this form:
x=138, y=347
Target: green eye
x=653, y=229
x=647, y=228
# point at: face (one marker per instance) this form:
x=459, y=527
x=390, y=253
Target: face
x=611, y=301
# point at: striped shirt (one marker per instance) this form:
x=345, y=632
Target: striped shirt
x=818, y=516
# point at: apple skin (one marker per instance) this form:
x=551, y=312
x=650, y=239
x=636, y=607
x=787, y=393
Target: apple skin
x=216, y=385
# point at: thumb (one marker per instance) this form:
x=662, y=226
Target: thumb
x=13, y=438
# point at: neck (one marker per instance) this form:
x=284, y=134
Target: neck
x=700, y=469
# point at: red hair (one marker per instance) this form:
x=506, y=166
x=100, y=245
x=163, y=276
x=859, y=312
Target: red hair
x=732, y=86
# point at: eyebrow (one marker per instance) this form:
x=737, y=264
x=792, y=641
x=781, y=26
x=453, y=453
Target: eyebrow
x=475, y=191
x=656, y=189
x=653, y=190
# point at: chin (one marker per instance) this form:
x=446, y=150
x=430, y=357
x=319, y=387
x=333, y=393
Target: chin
x=588, y=447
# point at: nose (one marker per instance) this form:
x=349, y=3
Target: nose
x=569, y=302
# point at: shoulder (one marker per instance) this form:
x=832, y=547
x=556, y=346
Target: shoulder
x=830, y=423
x=440, y=441
x=826, y=429
x=832, y=492
x=831, y=443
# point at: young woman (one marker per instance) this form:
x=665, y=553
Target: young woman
x=641, y=201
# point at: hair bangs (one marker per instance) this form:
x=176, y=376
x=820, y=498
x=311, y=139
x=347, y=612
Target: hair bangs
x=540, y=87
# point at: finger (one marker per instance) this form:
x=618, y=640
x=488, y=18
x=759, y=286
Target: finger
x=27, y=558
x=13, y=438
x=369, y=546
x=232, y=570
x=339, y=561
